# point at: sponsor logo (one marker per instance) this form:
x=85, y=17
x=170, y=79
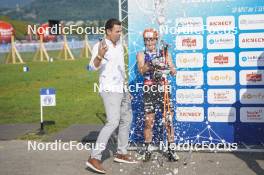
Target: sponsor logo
x=221, y=114
x=221, y=77
x=252, y=114
x=190, y=114
x=221, y=41
x=220, y=23
x=251, y=22
x=189, y=60
x=190, y=96
x=251, y=96
x=221, y=59
x=221, y=96
x=190, y=42
x=251, y=40
x=254, y=77
x=189, y=25
x=195, y=114
x=253, y=58
x=251, y=77
x=189, y=78
x=224, y=41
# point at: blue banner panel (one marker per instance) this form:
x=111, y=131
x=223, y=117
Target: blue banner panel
x=217, y=47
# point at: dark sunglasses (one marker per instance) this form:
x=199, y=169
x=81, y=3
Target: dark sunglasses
x=150, y=39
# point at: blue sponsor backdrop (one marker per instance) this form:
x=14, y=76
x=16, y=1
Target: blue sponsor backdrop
x=250, y=129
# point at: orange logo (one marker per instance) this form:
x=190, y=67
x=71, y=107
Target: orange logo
x=254, y=77
x=188, y=42
x=221, y=59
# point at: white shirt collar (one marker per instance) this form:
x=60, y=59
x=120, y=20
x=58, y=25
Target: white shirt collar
x=109, y=42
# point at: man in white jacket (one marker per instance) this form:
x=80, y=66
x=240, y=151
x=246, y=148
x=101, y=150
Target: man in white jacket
x=108, y=58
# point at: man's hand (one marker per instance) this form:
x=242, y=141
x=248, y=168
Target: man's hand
x=102, y=49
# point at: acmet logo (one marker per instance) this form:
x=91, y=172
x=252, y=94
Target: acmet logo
x=253, y=40
x=220, y=23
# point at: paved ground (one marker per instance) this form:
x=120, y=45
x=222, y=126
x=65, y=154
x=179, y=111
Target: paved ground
x=78, y=132
x=13, y=131
x=15, y=159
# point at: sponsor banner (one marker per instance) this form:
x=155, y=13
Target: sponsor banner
x=251, y=96
x=251, y=59
x=189, y=42
x=189, y=25
x=222, y=41
x=251, y=22
x=221, y=78
x=251, y=77
x=190, y=114
x=189, y=96
x=252, y=114
x=221, y=96
x=189, y=60
x=221, y=59
x=221, y=114
x=220, y=23
x=251, y=40
x=189, y=78
x=217, y=48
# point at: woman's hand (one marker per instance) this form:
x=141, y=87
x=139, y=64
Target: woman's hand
x=173, y=72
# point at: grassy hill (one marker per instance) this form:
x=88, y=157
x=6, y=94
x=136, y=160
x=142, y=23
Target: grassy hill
x=42, y=10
